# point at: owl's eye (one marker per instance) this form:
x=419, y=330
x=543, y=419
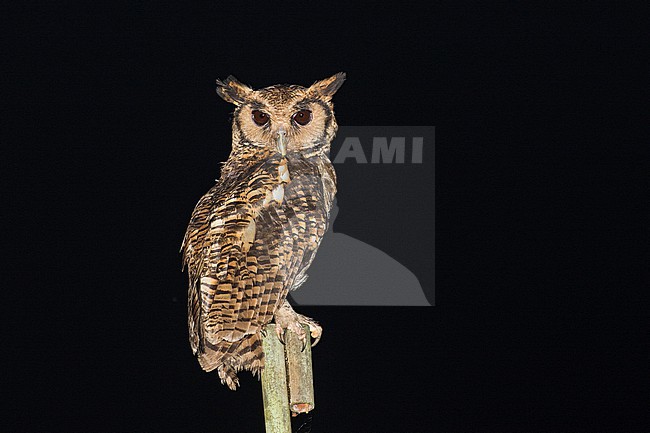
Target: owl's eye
x=302, y=117
x=260, y=117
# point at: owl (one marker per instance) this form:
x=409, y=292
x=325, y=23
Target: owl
x=252, y=237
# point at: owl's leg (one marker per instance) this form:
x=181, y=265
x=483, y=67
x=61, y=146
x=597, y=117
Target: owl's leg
x=286, y=318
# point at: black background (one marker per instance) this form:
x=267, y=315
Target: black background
x=113, y=130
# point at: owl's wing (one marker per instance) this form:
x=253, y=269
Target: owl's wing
x=193, y=249
x=232, y=260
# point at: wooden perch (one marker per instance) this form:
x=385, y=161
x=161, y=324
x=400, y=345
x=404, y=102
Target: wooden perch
x=299, y=371
x=274, y=384
x=287, y=379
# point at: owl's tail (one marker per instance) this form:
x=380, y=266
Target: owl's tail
x=231, y=357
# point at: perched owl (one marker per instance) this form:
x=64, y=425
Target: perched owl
x=252, y=237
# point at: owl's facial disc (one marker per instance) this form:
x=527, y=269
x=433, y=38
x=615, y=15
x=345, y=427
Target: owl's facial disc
x=285, y=120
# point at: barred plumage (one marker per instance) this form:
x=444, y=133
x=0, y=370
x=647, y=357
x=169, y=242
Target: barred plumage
x=252, y=237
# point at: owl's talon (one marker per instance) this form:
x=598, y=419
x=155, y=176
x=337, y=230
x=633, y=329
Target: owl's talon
x=315, y=330
x=279, y=331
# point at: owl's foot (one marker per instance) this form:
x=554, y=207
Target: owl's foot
x=286, y=318
x=315, y=329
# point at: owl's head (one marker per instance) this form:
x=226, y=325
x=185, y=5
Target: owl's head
x=282, y=118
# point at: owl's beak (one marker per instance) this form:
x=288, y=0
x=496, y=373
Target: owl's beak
x=282, y=142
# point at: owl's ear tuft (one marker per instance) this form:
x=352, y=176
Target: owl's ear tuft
x=231, y=90
x=327, y=88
